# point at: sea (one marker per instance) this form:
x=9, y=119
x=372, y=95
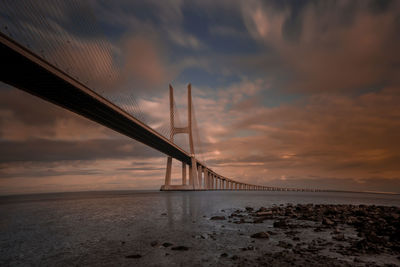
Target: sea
x=102, y=228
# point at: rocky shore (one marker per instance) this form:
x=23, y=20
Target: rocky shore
x=199, y=230
x=285, y=235
x=319, y=235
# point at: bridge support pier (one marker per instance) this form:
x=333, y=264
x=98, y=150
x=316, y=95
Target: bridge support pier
x=208, y=178
x=192, y=173
x=199, y=176
x=168, y=172
x=183, y=173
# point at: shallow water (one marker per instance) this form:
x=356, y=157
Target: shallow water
x=101, y=228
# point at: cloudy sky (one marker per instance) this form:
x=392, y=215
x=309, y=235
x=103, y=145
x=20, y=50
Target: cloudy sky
x=287, y=93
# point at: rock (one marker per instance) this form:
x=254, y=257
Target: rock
x=260, y=235
x=284, y=244
x=249, y=209
x=262, y=209
x=339, y=237
x=280, y=224
x=234, y=257
x=327, y=221
x=248, y=248
x=264, y=213
x=163, y=214
x=180, y=248
x=261, y=219
x=166, y=244
x=216, y=218
x=224, y=255
x=292, y=233
x=154, y=243
x=350, y=220
x=133, y=256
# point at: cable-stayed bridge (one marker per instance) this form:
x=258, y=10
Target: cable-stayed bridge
x=30, y=69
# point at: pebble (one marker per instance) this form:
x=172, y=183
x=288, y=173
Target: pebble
x=133, y=256
x=218, y=218
x=180, y=248
x=260, y=235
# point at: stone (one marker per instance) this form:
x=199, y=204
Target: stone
x=261, y=219
x=133, y=256
x=264, y=213
x=180, y=248
x=262, y=209
x=327, y=221
x=154, y=243
x=218, y=218
x=339, y=237
x=260, y=235
x=166, y=244
x=234, y=257
x=284, y=244
x=280, y=224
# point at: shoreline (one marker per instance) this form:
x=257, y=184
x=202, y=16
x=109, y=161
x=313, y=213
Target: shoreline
x=201, y=229
x=318, y=235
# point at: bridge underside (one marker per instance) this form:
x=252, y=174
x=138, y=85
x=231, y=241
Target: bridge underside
x=21, y=68
x=26, y=71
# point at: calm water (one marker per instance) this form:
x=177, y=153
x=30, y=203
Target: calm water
x=89, y=227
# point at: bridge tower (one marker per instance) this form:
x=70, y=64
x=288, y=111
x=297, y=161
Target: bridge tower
x=193, y=181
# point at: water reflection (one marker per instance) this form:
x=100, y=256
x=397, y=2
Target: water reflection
x=182, y=208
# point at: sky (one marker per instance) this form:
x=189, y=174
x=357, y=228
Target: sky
x=287, y=93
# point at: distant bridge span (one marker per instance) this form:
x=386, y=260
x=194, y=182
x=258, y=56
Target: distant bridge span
x=25, y=70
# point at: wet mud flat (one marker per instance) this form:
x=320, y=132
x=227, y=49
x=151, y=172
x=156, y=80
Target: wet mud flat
x=286, y=235
x=202, y=229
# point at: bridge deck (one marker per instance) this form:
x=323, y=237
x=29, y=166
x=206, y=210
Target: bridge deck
x=26, y=71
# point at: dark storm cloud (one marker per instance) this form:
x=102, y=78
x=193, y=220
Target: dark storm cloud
x=331, y=46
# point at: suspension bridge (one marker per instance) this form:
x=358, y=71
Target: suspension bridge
x=53, y=77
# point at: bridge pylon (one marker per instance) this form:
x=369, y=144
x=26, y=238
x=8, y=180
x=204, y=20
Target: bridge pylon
x=193, y=172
